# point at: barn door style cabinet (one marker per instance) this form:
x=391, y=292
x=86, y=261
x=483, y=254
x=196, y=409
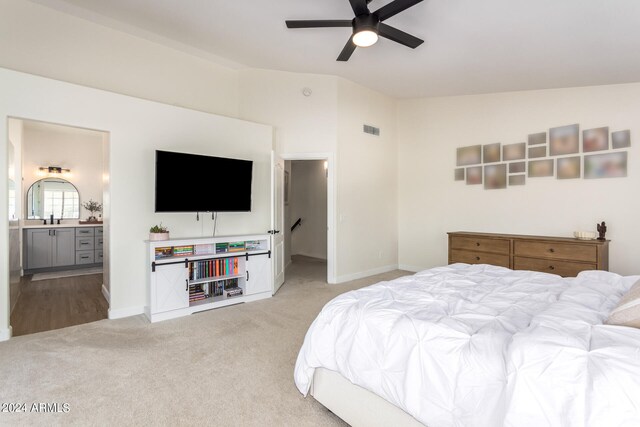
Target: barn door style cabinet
x=191, y=275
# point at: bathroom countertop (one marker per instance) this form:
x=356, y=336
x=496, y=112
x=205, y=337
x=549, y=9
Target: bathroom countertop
x=25, y=226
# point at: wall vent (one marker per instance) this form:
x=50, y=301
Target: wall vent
x=371, y=130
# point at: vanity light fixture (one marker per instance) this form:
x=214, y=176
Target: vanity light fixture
x=53, y=170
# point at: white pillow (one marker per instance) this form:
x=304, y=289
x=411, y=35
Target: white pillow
x=627, y=312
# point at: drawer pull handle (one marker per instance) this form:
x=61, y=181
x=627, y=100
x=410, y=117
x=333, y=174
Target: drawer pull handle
x=477, y=243
x=84, y=257
x=477, y=258
x=551, y=267
x=552, y=250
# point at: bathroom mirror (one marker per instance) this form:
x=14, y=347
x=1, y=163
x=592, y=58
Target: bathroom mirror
x=53, y=196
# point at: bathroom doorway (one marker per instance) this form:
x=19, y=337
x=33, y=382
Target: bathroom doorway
x=58, y=180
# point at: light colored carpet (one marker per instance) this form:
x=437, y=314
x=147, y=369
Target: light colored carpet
x=66, y=273
x=227, y=367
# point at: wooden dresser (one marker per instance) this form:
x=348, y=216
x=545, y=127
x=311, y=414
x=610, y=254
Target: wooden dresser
x=558, y=255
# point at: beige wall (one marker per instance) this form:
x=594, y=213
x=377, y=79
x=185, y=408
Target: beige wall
x=431, y=203
x=330, y=121
x=76, y=149
x=308, y=200
x=367, y=177
x=42, y=41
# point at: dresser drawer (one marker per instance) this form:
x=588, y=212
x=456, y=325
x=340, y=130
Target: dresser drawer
x=85, y=257
x=98, y=256
x=566, y=251
x=99, y=241
x=481, y=244
x=562, y=268
x=470, y=257
x=84, y=232
x=98, y=231
x=84, y=243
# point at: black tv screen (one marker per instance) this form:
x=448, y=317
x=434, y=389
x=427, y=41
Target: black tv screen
x=196, y=183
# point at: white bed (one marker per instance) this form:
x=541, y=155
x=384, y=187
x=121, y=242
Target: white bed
x=476, y=345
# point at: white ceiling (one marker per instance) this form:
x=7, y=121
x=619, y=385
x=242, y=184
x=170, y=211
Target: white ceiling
x=471, y=46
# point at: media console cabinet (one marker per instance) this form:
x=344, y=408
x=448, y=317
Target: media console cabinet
x=191, y=275
x=557, y=255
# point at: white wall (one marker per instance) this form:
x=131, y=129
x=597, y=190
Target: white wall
x=308, y=200
x=14, y=163
x=15, y=135
x=367, y=176
x=42, y=41
x=287, y=221
x=136, y=128
x=79, y=150
x=431, y=203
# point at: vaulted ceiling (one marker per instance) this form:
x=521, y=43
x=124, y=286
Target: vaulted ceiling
x=470, y=47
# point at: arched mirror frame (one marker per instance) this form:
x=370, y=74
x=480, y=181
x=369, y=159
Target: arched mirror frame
x=29, y=195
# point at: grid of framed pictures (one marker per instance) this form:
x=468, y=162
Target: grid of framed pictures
x=565, y=154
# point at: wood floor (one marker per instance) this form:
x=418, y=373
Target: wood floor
x=57, y=303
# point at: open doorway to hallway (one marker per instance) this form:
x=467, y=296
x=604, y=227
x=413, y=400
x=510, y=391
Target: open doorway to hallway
x=305, y=213
x=56, y=237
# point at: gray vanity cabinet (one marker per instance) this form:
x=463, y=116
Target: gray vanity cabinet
x=48, y=247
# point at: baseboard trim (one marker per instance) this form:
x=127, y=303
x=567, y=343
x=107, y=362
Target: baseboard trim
x=411, y=268
x=106, y=294
x=363, y=274
x=125, y=312
x=5, y=334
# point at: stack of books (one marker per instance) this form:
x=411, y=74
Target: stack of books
x=183, y=250
x=233, y=292
x=164, y=252
x=252, y=245
x=198, y=292
x=236, y=246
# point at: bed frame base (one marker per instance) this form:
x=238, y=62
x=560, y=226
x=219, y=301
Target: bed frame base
x=356, y=405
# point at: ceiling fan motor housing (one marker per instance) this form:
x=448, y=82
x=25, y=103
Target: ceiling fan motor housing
x=366, y=23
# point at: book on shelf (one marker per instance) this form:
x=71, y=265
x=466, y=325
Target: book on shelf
x=218, y=289
x=236, y=246
x=164, y=252
x=221, y=248
x=252, y=245
x=205, y=249
x=214, y=268
x=183, y=250
x=233, y=292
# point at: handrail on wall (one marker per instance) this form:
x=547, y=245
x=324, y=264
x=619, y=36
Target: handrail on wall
x=296, y=224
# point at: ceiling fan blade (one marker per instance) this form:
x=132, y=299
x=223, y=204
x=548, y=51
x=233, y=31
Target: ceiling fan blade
x=395, y=7
x=319, y=23
x=359, y=7
x=348, y=50
x=398, y=36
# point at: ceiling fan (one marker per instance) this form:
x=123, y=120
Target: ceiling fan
x=367, y=26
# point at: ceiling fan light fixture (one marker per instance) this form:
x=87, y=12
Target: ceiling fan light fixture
x=365, y=38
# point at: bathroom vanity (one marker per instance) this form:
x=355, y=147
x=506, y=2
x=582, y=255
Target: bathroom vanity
x=57, y=247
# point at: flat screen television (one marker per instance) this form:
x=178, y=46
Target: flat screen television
x=197, y=183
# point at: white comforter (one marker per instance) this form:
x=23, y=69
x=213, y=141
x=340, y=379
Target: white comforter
x=484, y=346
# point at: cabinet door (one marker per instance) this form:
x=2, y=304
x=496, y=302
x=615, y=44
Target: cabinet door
x=169, y=288
x=39, y=248
x=259, y=275
x=64, y=247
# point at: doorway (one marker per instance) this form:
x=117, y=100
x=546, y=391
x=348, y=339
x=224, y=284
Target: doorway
x=308, y=209
x=57, y=239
